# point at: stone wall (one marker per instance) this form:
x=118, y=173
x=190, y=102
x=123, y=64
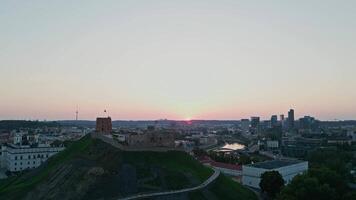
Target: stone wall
x=151, y=139
x=116, y=144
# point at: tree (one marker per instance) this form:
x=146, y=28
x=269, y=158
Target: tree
x=305, y=187
x=199, y=152
x=271, y=183
x=244, y=160
x=336, y=160
x=349, y=195
x=331, y=178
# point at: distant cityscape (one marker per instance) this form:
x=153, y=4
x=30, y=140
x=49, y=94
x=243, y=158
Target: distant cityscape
x=177, y=100
x=241, y=149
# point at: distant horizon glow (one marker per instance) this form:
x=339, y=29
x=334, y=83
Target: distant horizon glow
x=166, y=59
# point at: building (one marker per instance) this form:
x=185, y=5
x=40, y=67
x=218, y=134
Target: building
x=185, y=144
x=120, y=137
x=225, y=168
x=298, y=147
x=151, y=139
x=103, y=125
x=282, y=121
x=5, y=138
x=17, y=138
x=307, y=122
x=20, y=157
x=291, y=119
x=281, y=117
x=264, y=125
x=274, y=121
x=251, y=174
x=255, y=122
x=339, y=140
x=272, y=144
x=352, y=134
x=245, y=125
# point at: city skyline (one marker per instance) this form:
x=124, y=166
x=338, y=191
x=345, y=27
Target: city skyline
x=177, y=60
x=272, y=117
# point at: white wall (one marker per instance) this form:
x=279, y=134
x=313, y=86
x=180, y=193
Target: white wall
x=27, y=158
x=229, y=172
x=251, y=176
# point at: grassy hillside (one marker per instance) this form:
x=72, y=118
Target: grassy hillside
x=17, y=187
x=224, y=188
x=91, y=169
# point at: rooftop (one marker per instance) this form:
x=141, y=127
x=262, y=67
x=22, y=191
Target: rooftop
x=208, y=160
x=274, y=164
x=226, y=166
x=43, y=146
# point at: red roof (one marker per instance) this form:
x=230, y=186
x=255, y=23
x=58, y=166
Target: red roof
x=226, y=166
x=205, y=159
x=208, y=160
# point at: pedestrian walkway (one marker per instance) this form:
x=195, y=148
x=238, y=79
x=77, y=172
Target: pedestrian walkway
x=201, y=186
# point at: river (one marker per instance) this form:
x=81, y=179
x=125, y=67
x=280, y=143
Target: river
x=231, y=147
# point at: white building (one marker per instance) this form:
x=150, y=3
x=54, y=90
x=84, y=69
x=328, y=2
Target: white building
x=251, y=174
x=186, y=144
x=17, y=158
x=352, y=133
x=120, y=137
x=272, y=144
x=228, y=169
x=203, y=140
x=17, y=138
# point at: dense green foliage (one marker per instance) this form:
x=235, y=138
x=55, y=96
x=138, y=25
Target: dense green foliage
x=338, y=160
x=327, y=178
x=271, y=183
x=306, y=187
x=18, y=124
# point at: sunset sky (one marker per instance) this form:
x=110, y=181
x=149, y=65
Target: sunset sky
x=177, y=59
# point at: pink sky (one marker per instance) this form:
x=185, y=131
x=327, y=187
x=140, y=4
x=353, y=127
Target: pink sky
x=177, y=59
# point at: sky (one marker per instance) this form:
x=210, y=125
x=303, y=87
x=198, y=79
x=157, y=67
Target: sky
x=165, y=59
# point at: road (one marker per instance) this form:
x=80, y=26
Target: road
x=201, y=186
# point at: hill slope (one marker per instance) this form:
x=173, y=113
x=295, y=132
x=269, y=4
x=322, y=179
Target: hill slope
x=91, y=169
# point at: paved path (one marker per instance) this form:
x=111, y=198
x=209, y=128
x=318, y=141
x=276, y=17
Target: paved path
x=201, y=186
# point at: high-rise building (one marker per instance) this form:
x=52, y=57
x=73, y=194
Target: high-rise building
x=255, y=122
x=281, y=117
x=274, y=121
x=291, y=118
x=307, y=122
x=245, y=125
x=282, y=121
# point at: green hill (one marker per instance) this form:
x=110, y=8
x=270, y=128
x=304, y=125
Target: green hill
x=92, y=169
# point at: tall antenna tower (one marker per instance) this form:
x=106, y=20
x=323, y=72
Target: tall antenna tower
x=76, y=114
